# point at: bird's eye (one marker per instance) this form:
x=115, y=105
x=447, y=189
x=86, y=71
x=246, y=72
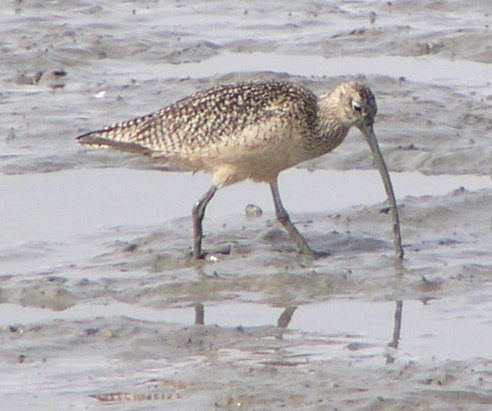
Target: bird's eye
x=356, y=106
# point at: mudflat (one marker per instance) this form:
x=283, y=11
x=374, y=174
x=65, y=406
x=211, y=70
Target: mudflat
x=100, y=301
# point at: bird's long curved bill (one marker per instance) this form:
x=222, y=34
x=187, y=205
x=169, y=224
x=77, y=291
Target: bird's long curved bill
x=368, y=132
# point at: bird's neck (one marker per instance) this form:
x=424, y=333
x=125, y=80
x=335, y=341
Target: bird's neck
x=331, y=129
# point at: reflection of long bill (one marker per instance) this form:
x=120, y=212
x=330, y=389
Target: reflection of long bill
x=368, y=132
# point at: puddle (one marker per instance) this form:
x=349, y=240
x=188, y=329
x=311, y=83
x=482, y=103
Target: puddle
x=57, y=206
x=337, y=329
x=439, y=329
x=437, y=71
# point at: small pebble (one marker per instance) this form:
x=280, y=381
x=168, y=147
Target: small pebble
x=253, y=211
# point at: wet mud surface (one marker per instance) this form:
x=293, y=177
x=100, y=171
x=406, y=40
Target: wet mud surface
x=101, y=305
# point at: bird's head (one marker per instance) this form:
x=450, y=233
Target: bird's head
x=353, y=104
x=357, y=102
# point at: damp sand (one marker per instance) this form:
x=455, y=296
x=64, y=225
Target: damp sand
x=99, y=300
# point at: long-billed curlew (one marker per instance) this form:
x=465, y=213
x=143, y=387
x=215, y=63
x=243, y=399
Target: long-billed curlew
x=251, y=130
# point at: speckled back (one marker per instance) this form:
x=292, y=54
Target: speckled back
x=211, y=118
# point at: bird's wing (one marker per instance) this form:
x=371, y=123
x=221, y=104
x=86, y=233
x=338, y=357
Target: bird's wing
x=242, y=115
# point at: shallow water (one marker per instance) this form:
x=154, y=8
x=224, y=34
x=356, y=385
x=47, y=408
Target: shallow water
x=434, y=71
x=100, y=200
x=428, y=331
x=97, y=292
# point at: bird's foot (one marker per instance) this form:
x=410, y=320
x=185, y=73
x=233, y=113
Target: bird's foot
x=314, y=254
x=319, y=254
x=212, y=255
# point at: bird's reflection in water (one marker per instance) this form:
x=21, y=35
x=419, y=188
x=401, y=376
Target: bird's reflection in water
x=390, y=359
x=282, y=322
x=286, y=316
x=199, y=314
x=284, y=319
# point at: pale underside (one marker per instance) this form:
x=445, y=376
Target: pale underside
x=259, y=152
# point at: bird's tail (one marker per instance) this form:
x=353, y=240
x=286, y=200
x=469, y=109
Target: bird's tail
x=122, y=136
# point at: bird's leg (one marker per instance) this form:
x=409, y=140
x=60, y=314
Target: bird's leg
x=283, y=218
x=198, y=213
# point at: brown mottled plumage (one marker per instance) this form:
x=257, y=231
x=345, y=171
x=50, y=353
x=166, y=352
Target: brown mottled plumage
x=250, y=130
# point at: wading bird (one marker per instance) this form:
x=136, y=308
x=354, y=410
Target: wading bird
x=251, y=130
